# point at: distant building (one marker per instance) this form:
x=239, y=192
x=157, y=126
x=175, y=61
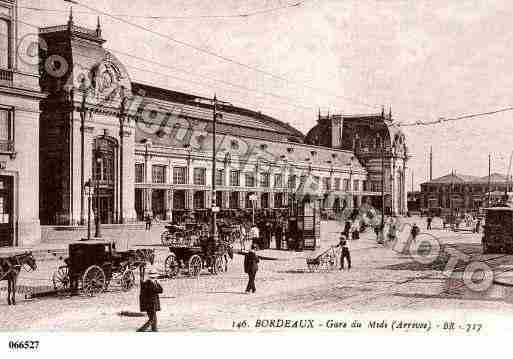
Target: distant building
x=462, y=192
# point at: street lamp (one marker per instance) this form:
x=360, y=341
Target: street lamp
x=88, y=187
x=98, y=176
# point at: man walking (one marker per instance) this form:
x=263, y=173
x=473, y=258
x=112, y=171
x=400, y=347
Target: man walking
x=429, y=220
x=345, y=253
x=251, y=267
x=148, y=222
x=149, y=300
x=414, y=232
x=254, y=235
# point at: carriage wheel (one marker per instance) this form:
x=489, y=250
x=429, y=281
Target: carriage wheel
x=164, y=238
x=60, y=279
x=127, y=280
x=218, y=265
x=171, y=266
x=93, y=281
x=195, y=265
x=311, y=267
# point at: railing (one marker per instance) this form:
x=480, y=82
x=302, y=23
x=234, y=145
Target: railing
x=74, y=28
x=5, y=77
x=7, y=146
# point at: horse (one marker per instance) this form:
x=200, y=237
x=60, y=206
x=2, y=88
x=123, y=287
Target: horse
x=10, y=269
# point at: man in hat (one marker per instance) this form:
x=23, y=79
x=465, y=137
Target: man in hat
x=149, y=300
x=251, y=267
x=344, y=253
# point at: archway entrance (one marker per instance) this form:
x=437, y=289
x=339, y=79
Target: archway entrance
x=104, y=159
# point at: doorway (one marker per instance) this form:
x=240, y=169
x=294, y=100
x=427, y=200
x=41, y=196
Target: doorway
x=6, y=211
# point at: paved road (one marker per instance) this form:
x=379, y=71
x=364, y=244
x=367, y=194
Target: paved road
x=381, y=280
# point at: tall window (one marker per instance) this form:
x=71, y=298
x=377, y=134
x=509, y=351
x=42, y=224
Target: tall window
x=199, y=199
x=264, y=180
x=158, y=174
x=250, y=179
x=292, y=182
x=278, y=180
x=180, y=175
x=200, y=177
x=356, y=185
x=326, y=183
x=235, y=179
x=346, y=185
x=139, y=173
x=234, y=199
x=5, y=36
x=337, y=184
x=5, y=126
x=219, y=177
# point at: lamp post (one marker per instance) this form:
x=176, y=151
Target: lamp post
x=98, y=176
x=88, y=188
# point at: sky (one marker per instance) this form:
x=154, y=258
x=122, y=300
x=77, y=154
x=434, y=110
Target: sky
x=424, y=59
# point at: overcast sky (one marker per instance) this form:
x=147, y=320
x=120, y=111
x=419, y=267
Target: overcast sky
x=425, y=59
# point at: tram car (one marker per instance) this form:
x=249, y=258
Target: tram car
x=498, y=230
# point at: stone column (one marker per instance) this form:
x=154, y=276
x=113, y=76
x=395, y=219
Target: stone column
x=189, y=196
x=226, y=199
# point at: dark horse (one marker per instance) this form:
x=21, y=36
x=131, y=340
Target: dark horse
x=10, y=268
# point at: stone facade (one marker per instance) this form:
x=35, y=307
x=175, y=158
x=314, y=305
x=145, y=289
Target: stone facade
x=19, y=132
x=150, y=150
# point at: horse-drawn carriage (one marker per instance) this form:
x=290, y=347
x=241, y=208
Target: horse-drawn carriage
x=192, y=251
x=184, y=234
x=93, y=265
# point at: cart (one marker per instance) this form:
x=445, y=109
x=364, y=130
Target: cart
x=178, y=233
x=93, y=265
x=327, y=260
x=191, y=255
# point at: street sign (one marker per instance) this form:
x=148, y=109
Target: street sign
x=215, y=209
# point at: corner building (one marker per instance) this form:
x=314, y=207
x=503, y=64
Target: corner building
x=151, y=148
x=20, y=95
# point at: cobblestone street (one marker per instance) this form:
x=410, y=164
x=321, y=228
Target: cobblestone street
x=381, y=280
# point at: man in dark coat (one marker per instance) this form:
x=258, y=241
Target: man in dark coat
x=429, y=220
x=344, y=253
x=149, y=300
x=414, y=232
x=251, y=267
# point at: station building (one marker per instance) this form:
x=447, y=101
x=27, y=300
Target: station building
x=151, y=148
x=148, y=150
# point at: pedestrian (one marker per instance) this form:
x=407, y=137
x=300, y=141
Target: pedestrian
x=478, y=225
x=392, y=231
x=250, y=268
x=345, y=254
x=347, y=228
x=254, y=235
x=355, y=231
x=414, y=232
x=429, y=220
x=148, y=222
x=278, y=234
x=149, y=300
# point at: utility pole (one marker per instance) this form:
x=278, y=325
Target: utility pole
x=121, y=148
x=215, y=115
x=382, y=229
x=412, y=181
x=431, y=163
x=489, y=178
x=214, y=195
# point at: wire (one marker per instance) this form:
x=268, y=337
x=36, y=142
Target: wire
x=458, y=118
x=289, y=103
x=219, y=56
x=150, y=17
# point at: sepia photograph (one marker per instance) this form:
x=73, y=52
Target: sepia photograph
x=310, y=167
